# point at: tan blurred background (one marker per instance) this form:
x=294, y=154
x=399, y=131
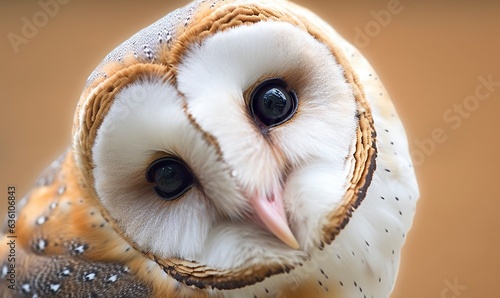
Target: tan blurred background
x=432, y=56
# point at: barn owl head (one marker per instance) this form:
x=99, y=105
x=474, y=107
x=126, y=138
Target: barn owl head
x=236, y=145
x=242, y=148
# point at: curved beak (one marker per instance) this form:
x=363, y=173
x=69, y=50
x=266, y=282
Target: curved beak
x=270, y=213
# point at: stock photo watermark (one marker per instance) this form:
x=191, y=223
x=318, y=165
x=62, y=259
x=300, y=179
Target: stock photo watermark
x=9, y=269
x=381, y=19
x=452, y=289
x=454, y=117
x=31, y=26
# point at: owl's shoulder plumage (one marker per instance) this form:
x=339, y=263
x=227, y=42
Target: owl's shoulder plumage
x=64, y=246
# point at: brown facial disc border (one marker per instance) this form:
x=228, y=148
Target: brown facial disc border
x=99, y=101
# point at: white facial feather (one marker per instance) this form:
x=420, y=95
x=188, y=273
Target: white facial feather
x=321, y=132
x=147, y=118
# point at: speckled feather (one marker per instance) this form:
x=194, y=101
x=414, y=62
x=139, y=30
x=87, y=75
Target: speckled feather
x=68, y=245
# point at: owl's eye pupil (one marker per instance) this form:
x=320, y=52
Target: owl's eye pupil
x=272, y=104
x=170, y=176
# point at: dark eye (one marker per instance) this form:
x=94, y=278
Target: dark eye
x=271, y=103
x=171, y=177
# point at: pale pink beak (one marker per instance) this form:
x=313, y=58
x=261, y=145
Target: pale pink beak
x=270, y=212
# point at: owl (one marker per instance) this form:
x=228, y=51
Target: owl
x=234, y=148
